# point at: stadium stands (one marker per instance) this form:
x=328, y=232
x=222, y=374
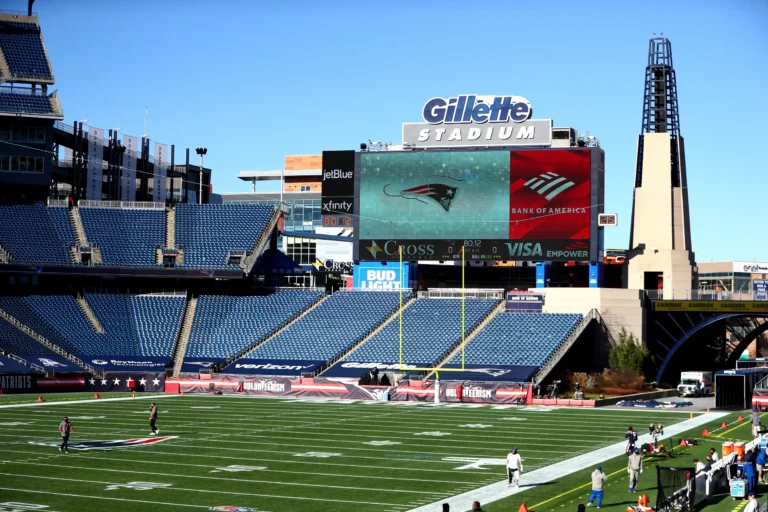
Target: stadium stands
x=26, y=104
x=32, y=234
x=337, y=323
x=518, y=339
x=23, y=49
x=63, y=224
x=16, y=342
x=208, y=232
x=431, y=327
x=126, y=237
x=226, y=325
x=146, y=324
x=133, y=325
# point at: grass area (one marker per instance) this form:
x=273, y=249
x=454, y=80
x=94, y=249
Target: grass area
x=277, y=455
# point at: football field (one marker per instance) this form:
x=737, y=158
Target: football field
x=288, y=454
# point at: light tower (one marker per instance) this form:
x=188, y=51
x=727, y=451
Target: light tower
x=660, y=254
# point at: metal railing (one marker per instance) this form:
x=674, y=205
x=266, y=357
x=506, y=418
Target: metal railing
x=710, y=295
x=457, y=293
x=19, y=360
x=136, y=205
x=26, y=91
x=57, y=202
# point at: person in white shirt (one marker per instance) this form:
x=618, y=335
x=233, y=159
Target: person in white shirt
x=514, y=467
x=699, y=465
x=713, y=453
x=752, y=505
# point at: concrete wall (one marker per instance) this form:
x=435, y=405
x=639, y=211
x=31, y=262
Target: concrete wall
x=618, y=307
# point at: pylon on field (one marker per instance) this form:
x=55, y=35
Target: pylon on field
x=691, y=416
x=523, y=508
x=739, y=419
x=705, y=433
x=40, y=399
x=96, y=396
x=683, y=443
x=724, y=425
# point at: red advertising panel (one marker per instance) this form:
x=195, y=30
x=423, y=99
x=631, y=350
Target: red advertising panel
x=550, y=196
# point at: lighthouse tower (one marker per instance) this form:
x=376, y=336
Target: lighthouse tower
x=660, y=256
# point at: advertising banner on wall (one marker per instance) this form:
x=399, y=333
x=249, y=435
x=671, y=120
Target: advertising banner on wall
x=153, y=382
x=525, y=302
x=10, y=366
x=94, y=172
x=496, y=392
x=424, y=391
x=128, y=176
x=160, y=183
x=28, y=383
x=338, y=193
x=380, y=276
x=703, y=306
x=760, y=289
x=128, y=363
x=272, y=366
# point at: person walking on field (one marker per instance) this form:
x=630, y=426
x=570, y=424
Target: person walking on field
x=65, y=427
x=598, y=478
x=634, y=468
x=514, y=467
x=153, y=419
x=755, y=423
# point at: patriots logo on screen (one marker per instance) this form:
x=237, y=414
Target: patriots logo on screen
x=108, y=445
x=549, y=183
x=431, y=193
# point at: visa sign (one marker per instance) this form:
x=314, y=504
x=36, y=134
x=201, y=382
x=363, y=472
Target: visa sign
x=374, y=275
x=471, y=108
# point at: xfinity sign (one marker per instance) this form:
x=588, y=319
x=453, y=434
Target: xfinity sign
x=471, y=120
x=471, y=108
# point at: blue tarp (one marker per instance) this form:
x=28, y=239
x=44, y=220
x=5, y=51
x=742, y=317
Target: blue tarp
x=653, y=404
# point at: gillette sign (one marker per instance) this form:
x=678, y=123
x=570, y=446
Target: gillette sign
x=470, y=108
x=471, y=120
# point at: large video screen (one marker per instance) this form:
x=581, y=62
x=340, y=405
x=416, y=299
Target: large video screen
x=498, y=205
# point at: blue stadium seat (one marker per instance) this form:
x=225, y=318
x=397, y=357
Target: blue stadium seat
x=126, y=237
x=134, y=325
x=431, y=327
x=23, y=49
x=337, y=323
x=518, y=339
x=208, y=232
x=33, y=234
x=225, y=325
x=16, y=342
x=25, y=104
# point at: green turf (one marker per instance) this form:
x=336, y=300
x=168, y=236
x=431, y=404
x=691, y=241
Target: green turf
x=401, y=470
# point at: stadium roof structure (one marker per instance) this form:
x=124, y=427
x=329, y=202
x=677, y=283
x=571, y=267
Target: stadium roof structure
x=277, y=175
x=23, y=56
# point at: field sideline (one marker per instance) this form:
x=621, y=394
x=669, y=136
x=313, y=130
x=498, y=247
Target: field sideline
x=288, y=454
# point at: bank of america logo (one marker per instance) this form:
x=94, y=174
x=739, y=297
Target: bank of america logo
x=549, y=183
x=431, y=193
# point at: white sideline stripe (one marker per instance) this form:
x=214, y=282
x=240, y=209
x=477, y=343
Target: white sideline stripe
x=103, y=498
x=15, y=475
x=499, y=490
x=88, y=401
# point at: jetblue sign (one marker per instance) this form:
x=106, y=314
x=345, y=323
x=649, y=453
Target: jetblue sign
x=471, y=120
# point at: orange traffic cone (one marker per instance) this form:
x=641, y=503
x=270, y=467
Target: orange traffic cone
x=522, y=508
x=724, y=425
x=739, y=419
x=683, y=443
x=705, y=433
x=40, y=399
x=96, y=396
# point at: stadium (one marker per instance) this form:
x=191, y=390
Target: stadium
x=374, y=336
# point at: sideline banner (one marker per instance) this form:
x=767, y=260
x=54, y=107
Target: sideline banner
x=424, y=391
x=497, y=392
x=128, y=363
x=271, y=366
x=732, y=306
x=306, y=388
x=34, y=384
x=8, y=365
x=126, y=382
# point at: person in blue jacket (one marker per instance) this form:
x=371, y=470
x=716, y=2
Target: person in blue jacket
x=750, y=473
x=761, y=459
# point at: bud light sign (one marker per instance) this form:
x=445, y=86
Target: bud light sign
x=381, y=276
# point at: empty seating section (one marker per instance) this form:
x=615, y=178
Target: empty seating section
x=518, y=339
x=126, y=237
x=431, y=327
x=133, y=325
x=30, y=234
x=208, y=232
x=143, y=325
x=338, y=322
x=25, y=104
x=22, y=46
x=63, y=224
x=16, y=342
x=226, y=325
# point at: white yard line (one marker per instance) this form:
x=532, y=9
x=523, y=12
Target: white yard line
x=86, y=401
x=50, y=493
x=499, y=490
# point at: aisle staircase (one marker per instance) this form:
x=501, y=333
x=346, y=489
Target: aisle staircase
x=182, y=340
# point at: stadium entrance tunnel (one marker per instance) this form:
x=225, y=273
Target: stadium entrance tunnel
x=681, y=341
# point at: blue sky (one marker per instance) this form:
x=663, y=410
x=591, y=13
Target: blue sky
x=255, y=81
